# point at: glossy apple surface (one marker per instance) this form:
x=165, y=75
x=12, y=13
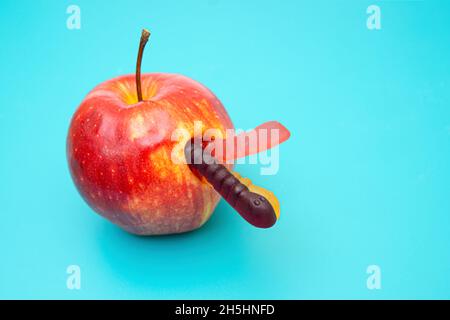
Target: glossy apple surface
x=119, y=152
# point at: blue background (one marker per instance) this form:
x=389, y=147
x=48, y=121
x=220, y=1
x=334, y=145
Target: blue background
x=363, y=180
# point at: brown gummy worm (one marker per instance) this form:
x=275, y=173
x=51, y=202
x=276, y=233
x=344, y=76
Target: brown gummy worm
x=253, y=207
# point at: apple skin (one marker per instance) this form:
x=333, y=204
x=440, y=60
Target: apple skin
x=119, y=152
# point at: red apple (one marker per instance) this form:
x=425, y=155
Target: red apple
x=119, y=150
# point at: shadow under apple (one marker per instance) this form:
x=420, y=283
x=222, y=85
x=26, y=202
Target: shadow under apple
x=203, y=259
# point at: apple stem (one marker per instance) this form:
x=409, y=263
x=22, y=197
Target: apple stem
x=144, y=38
